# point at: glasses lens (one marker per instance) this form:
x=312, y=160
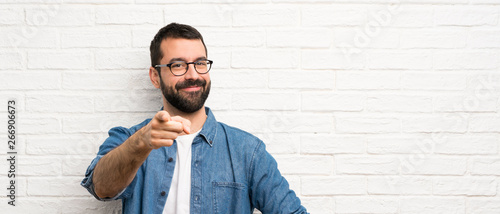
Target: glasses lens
x=178, y=68
x=202, y=66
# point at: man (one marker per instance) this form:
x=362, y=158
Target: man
x=183, y=160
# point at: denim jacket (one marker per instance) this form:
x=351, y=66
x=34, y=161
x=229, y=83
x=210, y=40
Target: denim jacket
x=231, y=172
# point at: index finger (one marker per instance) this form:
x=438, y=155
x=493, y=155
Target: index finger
x=163, y=116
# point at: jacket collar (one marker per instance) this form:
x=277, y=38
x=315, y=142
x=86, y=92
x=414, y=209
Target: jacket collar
x=209, y=129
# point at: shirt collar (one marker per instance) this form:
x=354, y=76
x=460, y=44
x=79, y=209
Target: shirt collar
x=209, y=129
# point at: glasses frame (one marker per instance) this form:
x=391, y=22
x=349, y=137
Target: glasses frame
x=169, y=65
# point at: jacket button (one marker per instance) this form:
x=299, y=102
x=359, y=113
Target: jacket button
x=170, y=159
x=163, y=193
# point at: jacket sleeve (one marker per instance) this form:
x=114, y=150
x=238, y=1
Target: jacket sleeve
x=117, y=136
x=270, y=192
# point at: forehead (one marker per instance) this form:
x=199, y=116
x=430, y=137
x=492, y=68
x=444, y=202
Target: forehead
x=187, y=49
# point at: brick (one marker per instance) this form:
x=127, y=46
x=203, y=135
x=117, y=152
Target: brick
x=96, y=123
x=281, y=143
x=454, y=60
x=302, y=79
x=485, y=166
x=75, y=166
x=16, y=80
x=484, y=2
x=433, y=38
x=219, y=100
x=374, y=80
x=392, y=185
x=265, y=101
x=467, y=103
x=412, y=16
x=133, y=101
x=278, y=122
x=359, y=40
x=301, y=37
x=165, y=2
x=433, y=80
x=95, y=38
x=230, y=37
x=266, y=16
x=38, y=166
x=235, y=78
x=57, y=103
x=468, y=145
x=142, y=36
x=59, y=60
x=11, y=60
x=62, y=144
x=436, y=1
x=20, y=184
x=331, y=144
x=331, y=59
x=221, y=57
x=399, y=103
x=104, y=80
x=60, y=15
x=124, y=59
x=371, y=204
x=129, y=15
x=484, y=124
x=294, y=182
x=39, y=125
x=100, y=1
x=367, y=165
x=200, y=15
x=453, y=123
x=53, y=186
x=33, y=205
x=484, y=39
x=468, y=186
x=17, y=97
x=305, y=165
x=465, y=15
x=398, y=145
x=12, y=16
x=31, y=37
x=332, y=102
x=431, y=205
x=253, y=58
x=408, y=59
x=483, y=205
x=324, y=205
x=367, y=125
x=90, y=205
x=333, y=15
x=338, y=185
x=427, y=164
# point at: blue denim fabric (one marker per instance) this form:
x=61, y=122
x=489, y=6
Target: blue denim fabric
x=231, y=173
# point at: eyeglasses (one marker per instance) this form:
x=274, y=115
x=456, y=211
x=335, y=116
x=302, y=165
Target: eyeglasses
x=179, y=68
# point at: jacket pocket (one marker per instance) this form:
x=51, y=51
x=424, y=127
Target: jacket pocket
x=230, y=197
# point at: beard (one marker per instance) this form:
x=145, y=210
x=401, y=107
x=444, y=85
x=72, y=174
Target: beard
x=187, y=102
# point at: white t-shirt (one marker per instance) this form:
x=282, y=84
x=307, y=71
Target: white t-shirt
x=179, y=195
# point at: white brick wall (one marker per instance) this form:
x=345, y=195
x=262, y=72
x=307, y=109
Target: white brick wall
x=369, y=106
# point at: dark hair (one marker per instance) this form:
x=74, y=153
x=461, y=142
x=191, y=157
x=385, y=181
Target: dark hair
x=172, y=30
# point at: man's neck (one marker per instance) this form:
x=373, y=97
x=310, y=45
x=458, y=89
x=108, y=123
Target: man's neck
x=196, y=118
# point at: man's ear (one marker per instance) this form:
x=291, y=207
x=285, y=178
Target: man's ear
x=153, y=75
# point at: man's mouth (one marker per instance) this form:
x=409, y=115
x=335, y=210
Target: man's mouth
x=191, y=88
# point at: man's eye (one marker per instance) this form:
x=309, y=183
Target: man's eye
x=201, y=63
x=177, y=65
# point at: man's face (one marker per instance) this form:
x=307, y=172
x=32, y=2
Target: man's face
x=188, y=92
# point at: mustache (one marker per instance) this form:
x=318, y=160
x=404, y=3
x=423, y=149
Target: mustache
x=191, y=83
